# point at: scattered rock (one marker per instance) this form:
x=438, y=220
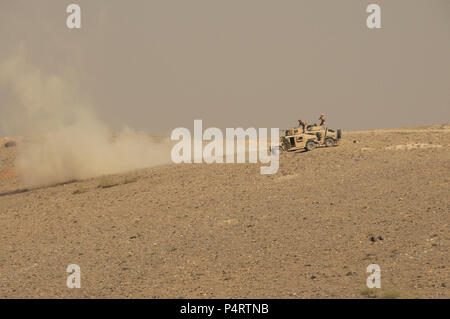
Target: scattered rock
x=373, y=239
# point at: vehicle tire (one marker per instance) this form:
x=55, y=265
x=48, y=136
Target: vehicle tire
x=329, y=142
x=339, y=134
x=310, y=146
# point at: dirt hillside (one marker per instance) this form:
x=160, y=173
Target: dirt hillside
x=220, y=231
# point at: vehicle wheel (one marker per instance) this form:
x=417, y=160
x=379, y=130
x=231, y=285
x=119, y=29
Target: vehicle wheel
x=310, y=146
x=329, y=142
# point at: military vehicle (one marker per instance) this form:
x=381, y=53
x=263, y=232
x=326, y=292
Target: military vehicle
x=315, y=135
x=10, y=144
x=294, y=139
x=326, y=136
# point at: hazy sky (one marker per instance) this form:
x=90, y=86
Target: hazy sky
x=157, y=65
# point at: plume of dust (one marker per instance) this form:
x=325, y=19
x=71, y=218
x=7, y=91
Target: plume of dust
x=64, y=139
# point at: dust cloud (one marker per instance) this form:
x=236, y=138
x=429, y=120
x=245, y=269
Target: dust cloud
x=63, y=139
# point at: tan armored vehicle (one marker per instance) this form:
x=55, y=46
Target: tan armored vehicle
x=315, y=135
x=294, y=140
x=326, y=136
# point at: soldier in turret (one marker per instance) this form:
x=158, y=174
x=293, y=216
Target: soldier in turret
x=302, y=124
x=323, y=121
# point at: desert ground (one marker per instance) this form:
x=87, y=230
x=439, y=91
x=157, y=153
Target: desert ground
x=226, y=231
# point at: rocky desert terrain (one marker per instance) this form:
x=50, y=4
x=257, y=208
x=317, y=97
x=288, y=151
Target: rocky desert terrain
x=226, y=231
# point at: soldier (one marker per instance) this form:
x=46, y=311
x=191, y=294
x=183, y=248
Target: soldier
x=322, y=120
x=302, y=124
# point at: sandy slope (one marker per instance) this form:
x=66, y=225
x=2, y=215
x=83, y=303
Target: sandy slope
x=227, y=231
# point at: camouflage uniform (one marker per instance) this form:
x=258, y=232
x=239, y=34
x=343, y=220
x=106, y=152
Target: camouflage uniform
x=322, y=120
x=302, y=124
